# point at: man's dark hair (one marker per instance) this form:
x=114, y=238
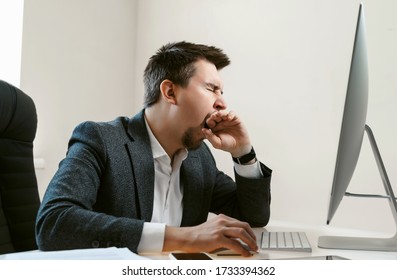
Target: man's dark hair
x=175, y=62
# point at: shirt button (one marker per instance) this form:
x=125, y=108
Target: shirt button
x=95, y=244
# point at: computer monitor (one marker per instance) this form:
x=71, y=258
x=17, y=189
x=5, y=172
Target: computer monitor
x=350, y=142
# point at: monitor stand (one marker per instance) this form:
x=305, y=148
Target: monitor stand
x=367, y=243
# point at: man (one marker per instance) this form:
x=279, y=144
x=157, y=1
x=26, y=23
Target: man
x=149, y=182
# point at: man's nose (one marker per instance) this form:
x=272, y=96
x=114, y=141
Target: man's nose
x=220, y=103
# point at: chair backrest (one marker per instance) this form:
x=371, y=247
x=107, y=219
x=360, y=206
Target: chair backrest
x=19, y=197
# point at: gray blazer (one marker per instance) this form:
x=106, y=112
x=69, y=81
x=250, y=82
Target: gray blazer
x=103, y=191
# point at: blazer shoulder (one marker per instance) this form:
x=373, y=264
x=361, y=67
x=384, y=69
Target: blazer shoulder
x=105, y=131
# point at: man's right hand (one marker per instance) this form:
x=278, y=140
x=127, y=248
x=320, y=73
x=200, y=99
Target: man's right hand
x=219, y=232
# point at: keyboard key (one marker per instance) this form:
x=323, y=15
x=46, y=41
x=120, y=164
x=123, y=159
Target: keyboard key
x=281, y=240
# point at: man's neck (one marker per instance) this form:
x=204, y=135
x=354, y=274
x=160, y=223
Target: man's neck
x=165, y=135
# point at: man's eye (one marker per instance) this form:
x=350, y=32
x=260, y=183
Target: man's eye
x=215, y=90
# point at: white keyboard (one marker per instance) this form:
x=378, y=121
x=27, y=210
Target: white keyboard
x=287, y=241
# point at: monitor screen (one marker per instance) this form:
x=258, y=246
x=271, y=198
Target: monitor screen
x=350, y=142
x=354, y=118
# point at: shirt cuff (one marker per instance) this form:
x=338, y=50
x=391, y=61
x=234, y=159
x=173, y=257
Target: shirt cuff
x=152, y=239
x=251, y=171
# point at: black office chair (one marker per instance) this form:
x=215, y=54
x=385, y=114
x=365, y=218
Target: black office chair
x=19, y=197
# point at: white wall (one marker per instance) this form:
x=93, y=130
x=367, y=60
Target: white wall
x=77, y=64
x=11, y=18
x=288, y=78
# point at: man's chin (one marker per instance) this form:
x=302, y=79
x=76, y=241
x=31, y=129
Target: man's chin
x=193, y=138
x=194, y=146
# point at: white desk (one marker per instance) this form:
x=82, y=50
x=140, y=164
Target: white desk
x=312, y=232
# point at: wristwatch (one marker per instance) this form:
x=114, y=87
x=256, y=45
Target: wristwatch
x=245, y=158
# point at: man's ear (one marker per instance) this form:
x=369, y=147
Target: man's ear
x=167, y=91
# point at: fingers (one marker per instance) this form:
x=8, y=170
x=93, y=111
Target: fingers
x=233, y=232
x=234, y=223
x=239, y=237
x=215, y=141
x=237, y=247
x=220, y=116
x=224, y=130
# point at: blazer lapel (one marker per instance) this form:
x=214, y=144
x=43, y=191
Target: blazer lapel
x=142, y=166
x=193, y=190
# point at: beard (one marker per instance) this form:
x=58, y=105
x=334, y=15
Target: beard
x=192, y=138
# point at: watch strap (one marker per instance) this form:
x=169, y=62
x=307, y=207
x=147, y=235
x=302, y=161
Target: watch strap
x=245, y=158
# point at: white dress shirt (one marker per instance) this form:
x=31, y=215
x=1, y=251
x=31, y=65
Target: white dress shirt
x=168, y=194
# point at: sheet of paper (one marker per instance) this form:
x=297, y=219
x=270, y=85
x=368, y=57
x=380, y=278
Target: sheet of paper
x=111, y=253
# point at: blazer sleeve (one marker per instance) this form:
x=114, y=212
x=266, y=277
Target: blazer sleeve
x=243, y=198
x=253, y=198
x=66, y=218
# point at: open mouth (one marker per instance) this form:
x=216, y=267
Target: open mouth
x=205, y=125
